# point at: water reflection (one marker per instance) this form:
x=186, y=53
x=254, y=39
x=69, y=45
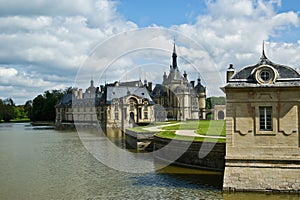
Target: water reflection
x=50, y=164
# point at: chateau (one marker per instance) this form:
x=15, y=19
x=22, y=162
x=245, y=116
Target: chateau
x=180, y=98
x=125, y=104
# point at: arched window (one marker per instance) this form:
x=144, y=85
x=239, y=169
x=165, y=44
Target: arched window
x=221, y=115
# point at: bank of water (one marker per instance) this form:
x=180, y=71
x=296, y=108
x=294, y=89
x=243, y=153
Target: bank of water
x=43, y=163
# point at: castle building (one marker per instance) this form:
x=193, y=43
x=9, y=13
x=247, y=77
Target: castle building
x=125, y=104
x=262, y=128
x=121, y=104
x=179, y=98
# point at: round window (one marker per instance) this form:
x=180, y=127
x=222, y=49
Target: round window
x=265, y=75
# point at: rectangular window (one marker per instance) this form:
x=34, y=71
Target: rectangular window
x=265, y=118
x=145, y=115
x=116, y=116
x=131, y=106
x=145, y=108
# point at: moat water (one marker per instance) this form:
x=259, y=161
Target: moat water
x=43, y=163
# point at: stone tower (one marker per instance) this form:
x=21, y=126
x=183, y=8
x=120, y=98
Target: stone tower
x=201, y=94
x=180, y=99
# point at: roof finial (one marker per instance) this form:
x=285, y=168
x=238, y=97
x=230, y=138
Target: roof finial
x=174, y=56
x=263, y=56
x=174, y=48
x=92, y=81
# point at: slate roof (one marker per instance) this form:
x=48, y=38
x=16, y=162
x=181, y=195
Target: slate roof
x=66, y=100
x=122, y=91
x=245, y=76
x=158, y=91
x=131, y=83
x=199, y=88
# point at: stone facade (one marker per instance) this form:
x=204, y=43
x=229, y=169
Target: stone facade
x=179, y=99
x=262, y=128
x=114, y=105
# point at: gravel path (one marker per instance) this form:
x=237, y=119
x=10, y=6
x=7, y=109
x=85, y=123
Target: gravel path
x=190, y=133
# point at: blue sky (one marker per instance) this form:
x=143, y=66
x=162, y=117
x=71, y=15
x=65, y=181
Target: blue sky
x=167, y=13
x=47, y=45
x=163, y=13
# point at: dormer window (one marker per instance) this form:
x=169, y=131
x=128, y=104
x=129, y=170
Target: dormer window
x=265, y=74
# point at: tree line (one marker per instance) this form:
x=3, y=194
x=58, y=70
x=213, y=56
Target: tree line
x=8, y=110
x=41, y=108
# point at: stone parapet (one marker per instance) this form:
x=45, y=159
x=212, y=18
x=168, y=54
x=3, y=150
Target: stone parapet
x=202, y=155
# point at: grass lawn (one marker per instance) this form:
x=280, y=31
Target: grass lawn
x=201, y=127
x=17, y=120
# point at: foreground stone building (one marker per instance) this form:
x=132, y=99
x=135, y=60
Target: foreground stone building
x=262, y=128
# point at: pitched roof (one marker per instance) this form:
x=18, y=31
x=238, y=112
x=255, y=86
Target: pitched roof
x=113, y=92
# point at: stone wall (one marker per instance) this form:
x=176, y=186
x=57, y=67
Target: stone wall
x=251, y=178
x=211, y=156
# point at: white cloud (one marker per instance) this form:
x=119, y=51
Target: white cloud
x=235, y=29
x=7, y=72
x=43, y=43
x=50, y=39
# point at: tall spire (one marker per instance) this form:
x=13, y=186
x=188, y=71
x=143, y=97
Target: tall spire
x=92, y=82
x=174, y=49
x=263, y=56
x=174, y=56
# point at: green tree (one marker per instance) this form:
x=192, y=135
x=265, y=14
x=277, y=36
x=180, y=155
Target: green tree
x=20, y=110
x=43, y=106
x=37, y=106
x=69, y=90
x=28, y=107
x=212, y=101
x=1, y=109
x=8, y=110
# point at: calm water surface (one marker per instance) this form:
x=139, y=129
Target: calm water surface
x=41, y=163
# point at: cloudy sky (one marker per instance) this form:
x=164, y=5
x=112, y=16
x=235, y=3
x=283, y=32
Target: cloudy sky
x=47, y=45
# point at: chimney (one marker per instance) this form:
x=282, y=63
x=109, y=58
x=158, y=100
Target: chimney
x=80, y=95
x=75, y=92
x=164, y=77
x=150, y=86
x=185, y=75
x=229, y=72
x=193, y=83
